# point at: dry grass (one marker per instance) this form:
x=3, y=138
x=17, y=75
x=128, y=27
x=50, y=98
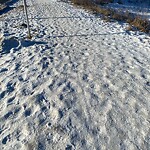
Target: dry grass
x=134, y=21
x=86, y=4
x=83, y=2
x=141, y=24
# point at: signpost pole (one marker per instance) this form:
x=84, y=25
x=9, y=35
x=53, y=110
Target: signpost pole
x=25, y=9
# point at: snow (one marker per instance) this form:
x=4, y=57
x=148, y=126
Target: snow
x=139, y=8
x=79, y=83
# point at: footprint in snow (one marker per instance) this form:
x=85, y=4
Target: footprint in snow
x=6, y=139
x=3, y=70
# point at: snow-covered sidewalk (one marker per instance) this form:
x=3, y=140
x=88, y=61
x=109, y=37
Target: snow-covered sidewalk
x=79, y=84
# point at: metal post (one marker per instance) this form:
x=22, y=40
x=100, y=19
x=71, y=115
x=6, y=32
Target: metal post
x=25, y=9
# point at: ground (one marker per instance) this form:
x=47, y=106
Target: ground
x=80, y=83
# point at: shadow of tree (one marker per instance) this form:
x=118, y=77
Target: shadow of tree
x=84, y=35
x=8, y=8
x=8, y=44
x=15, y=44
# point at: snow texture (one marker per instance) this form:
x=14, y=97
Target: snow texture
x=79, y=84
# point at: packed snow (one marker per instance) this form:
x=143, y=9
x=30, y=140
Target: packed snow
x=80, y=83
